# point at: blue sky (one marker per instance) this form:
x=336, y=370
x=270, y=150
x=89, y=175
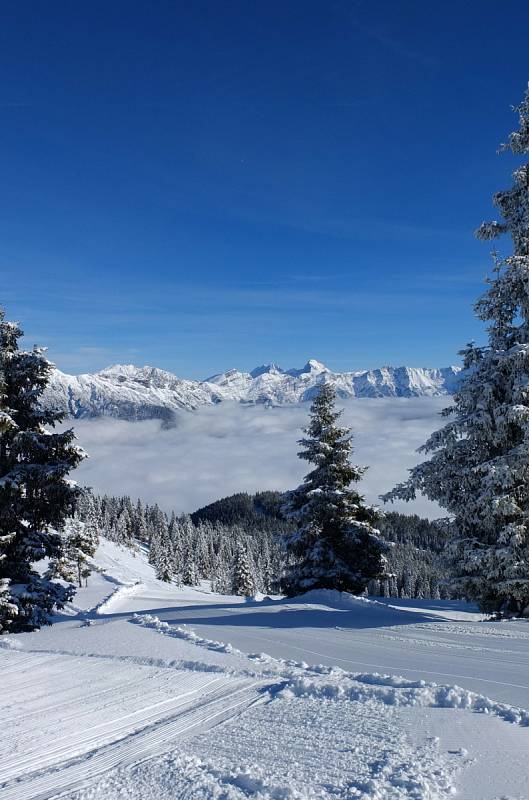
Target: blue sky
x=214, y=184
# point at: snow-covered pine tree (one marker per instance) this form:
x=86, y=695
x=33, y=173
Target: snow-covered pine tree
x=479, y=467
x=81, y=543
x=190, y=575
x=175, y=549
x=62, y=566
x=161, y=553
x=201, y=552
x=335, y=544
x=8, y=609
x=265, y=574
x=221, y=580
x=35, y=494
x=140, y=525
x=154, y=550
x=91, y=533
x=123, y=529
x=165, y=563
x=243, y=577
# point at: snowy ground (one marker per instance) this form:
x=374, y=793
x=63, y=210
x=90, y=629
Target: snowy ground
x=144, y=690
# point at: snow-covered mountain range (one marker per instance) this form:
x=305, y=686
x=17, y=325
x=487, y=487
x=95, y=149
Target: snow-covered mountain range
x=134, y=393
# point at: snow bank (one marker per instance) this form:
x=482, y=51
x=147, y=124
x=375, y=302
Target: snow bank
x=10, y=643
x=383, y=613
x=336, y=599
x=395, y=691
x=120, y=593
x=274, y=665
x=179, y=632
x=332, y=683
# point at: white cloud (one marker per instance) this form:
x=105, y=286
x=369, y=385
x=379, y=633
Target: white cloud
x=219, y=450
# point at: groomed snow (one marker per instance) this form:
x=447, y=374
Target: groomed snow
x=146, y=690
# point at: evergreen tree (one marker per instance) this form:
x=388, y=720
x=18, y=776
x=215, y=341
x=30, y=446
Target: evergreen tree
x=80, y=542
x=190, y=576
x=154, y=548
x=8, y=609
x=35, y=495
x=161, y=549
x=201, y=552
x=140, y=524
x=479, y=468
x=62, y=566
x=175, y=549
x=221, y=582
x=335, y=544
x=243, y=580
x=264, y=569
x=123, y=528
x=165, y=562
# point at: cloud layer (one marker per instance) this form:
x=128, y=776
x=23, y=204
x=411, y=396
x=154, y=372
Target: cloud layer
x=219, y=450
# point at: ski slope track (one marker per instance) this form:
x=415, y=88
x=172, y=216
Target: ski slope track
x=149, y=691
x=137, y=716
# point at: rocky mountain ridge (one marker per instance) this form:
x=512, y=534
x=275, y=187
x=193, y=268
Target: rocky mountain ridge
x=124, y=391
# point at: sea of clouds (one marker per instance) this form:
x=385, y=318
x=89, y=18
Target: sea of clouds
x=219, y=450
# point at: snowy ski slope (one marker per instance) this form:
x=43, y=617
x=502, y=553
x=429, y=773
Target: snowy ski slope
x=145, y=690
x=90, y=716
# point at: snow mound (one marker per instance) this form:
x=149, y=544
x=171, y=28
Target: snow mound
x=179, y=632
x=9, y=643
x=381, y=613
x=336, y=599
x=120, y=593
x=395, y=691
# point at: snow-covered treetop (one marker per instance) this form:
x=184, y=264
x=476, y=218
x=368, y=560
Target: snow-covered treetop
x=513, y=203
x=479, y=464
x=519, y=140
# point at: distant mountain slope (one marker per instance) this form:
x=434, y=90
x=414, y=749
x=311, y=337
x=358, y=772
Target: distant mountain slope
x=135, y=393
x=253, y=512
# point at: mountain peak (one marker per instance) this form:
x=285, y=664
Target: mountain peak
x=312, y=367
x=114, y=369
x=232, y=375
x=267, y=369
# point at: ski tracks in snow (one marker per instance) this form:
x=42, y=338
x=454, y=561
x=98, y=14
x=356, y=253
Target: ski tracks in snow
x=127, y=727
x=68, y=720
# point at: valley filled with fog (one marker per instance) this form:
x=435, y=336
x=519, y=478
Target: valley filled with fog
x=219, y=450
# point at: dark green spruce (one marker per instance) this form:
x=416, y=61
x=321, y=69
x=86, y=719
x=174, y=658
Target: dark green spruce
x=335, y=544
x=35, y=494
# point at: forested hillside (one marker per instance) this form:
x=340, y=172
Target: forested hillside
x=244, y=533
